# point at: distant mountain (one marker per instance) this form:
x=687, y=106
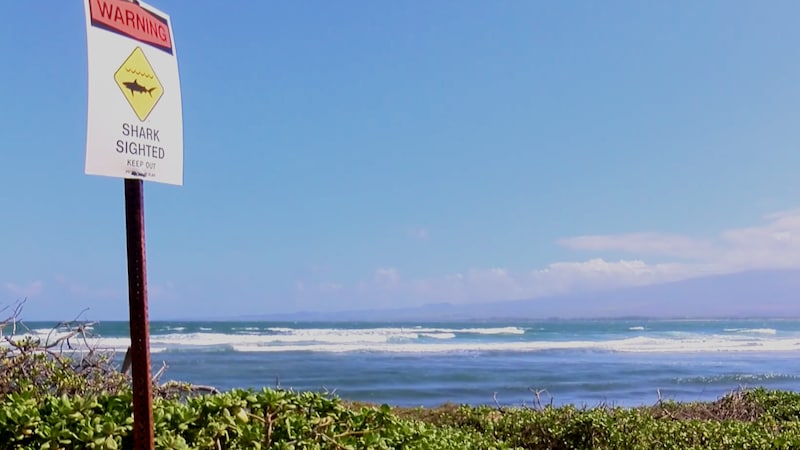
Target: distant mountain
x=774, y=293
x=746, y=294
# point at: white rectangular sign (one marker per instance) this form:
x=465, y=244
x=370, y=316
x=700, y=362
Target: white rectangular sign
x=135, y=124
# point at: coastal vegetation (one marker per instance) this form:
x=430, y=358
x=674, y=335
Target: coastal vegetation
x=59, y=393
x=245, y=419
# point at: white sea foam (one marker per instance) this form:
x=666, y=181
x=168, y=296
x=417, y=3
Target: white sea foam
x=502, y=330
x=632, y=345
x=374, y=335
x=280, y=330
x=752, y=330
x=406, y=342
x=636, y=328
x=302, y=337
x=739, y=378
x=41, y=331
x=66, y=342
x=389, y=330
x=439, y=335
x=452, y=340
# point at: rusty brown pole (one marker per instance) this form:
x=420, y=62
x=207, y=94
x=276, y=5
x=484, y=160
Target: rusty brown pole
x=143, y=438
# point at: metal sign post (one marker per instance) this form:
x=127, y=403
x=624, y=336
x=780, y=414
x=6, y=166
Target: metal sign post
x=143, y=437
x=134, y=131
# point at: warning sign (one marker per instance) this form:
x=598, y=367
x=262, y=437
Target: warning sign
x=135, y=126
x=139, y=83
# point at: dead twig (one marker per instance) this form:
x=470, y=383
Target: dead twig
x=496, y=403
x=537, y=398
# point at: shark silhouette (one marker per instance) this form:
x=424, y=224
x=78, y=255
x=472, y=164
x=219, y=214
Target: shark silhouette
x=135, y=87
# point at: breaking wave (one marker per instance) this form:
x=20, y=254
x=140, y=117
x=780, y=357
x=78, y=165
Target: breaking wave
x=407, y=342
x=426, y=339
x=752, y=330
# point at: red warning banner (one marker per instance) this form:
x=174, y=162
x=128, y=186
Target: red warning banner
x=130, y=19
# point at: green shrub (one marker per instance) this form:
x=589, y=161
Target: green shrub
x=747, y=419
x=240, y=419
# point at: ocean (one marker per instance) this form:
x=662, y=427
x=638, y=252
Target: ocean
x=591, y=362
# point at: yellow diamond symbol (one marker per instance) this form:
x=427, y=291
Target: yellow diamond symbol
x=139, y=84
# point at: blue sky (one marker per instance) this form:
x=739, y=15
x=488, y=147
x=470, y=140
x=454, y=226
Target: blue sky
x=348, y=155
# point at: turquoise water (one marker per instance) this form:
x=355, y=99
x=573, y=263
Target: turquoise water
x=622, y=362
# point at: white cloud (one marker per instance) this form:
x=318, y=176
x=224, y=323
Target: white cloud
x=166, y=291
x=388, y=287
x=600, y=274
x=773, y=244
x=86, y=292
x=557, y=278
x=643, y=244
x=418, y=233
x=31, y=289
x=386, y=276
x=330, y=287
